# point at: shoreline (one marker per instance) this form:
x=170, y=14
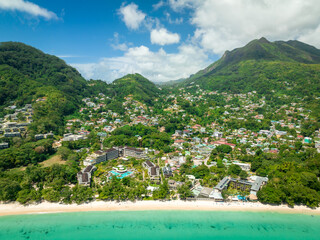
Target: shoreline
x=178, y=205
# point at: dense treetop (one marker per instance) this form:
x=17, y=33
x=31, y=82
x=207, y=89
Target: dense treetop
x=27, y=73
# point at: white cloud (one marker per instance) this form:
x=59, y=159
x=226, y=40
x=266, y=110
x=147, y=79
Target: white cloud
x=68, y=56
x=225, y=25
x=171, y=21
x=120, y=46
x=158, y=5
x=28, y=7
x=220, y=25
x=178, y=5
x=312, y=37
x=156, y=66
x=163, y=37
x=132, y=16
x=116, y=43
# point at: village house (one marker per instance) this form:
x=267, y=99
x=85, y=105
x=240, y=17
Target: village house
x=12, y=134
x=72, y=137
x=244, y=166
x=39, y=136
x=4, y=145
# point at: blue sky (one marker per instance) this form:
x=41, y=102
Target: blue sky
x=162, y=39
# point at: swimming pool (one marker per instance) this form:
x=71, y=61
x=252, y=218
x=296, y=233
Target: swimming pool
x=121, y=175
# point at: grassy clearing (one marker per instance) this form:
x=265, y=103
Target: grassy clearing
x=55, y=159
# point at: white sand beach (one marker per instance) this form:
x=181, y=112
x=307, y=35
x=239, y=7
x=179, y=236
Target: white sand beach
x=46, y=207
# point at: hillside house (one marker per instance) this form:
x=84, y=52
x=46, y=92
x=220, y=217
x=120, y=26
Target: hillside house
x=4, y=145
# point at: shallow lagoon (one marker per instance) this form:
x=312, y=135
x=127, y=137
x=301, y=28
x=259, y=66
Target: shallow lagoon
x=160, y=225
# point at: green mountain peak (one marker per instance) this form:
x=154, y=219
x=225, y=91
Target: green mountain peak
x=139, y=87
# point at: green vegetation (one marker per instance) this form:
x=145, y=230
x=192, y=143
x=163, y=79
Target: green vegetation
x=120, y=190
x=128, y=135
x=293, y=177
x=27, y=74
x=27, y=153
x=280, y=87
x=272, y=69
x=37, y=183
x=136, y=85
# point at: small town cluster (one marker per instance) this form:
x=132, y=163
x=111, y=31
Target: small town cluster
x=195, y=143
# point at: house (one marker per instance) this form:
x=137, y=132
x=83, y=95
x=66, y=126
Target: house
x=7, y=130
x=307, y=140
x=153, y=170
x=178, y=133
x=84, y=176
x=172, y=184
x=39, y=136
x=191, y=178
x=4, y=145
x=72, y=137
x=167, y=171
x=205, y=192
x=179, y=142
x=216, y=195
x=223, y=142
x=11, y=124
x=244, y=166
x=317, y=146
x=12, y=134
x=49, y=135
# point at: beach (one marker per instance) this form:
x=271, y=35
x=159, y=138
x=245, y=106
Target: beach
x=46, y=207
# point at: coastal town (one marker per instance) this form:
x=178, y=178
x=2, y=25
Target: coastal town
x=161, y=120
x=169, y=149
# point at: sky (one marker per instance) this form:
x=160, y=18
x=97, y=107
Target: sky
x=161, y=39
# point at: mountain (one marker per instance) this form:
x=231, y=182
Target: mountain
x=137, y=86
x=27, y=74
x=290, y=68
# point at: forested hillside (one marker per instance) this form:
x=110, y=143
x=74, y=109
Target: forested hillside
x=27, y=73
x=136, y=85
x=272, y=69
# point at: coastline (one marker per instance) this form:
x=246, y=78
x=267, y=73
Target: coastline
x=179, y=205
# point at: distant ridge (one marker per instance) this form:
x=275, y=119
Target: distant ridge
x=27, y=73
x=138, y=86
x=280, y=67
x=263, y=50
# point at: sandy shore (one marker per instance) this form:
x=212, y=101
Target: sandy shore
x=45, y=207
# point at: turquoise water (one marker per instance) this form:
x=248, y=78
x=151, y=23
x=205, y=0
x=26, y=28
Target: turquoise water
x=160, y=225
x=121, y=175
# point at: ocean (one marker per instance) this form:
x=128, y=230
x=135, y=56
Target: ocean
x=160, y=225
